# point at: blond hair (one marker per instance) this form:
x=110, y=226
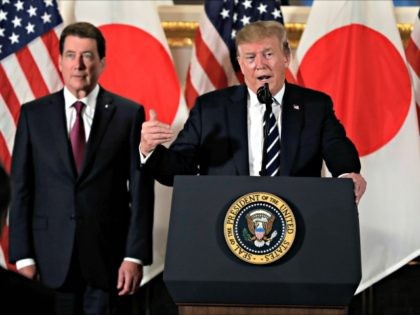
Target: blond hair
x=262, y=29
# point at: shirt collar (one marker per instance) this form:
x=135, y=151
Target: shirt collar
x=89, y=100
x=253, y=99
x=279, y=96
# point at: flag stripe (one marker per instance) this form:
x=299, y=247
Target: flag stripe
x=51, y=44
x=190, y=92
x=7, y=125
x=8, y=93
x=17, y=78
x=201, y=81
x=412, y=53
x=208, y=61
x=5, y=155
x=413, y=56
x=46, y=63
x=32, y=72
x=4, y=244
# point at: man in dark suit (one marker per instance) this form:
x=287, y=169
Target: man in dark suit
x=20, y=295
x=82, y=213
x=224, y=132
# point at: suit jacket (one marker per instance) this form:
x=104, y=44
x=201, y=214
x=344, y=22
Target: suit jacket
x=214, y=140
x=101, y=215
x=20, y=295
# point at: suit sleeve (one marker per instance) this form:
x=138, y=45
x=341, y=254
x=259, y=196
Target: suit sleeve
x=139, y=240
x=339, y=152
x=21, y=243
x=182, y=158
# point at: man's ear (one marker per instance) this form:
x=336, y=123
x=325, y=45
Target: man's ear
x=103, y=64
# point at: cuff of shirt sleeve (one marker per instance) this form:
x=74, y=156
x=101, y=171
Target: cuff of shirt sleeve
x=144, y=158
x=342, y=175
x=134, y=260
x=24, y=263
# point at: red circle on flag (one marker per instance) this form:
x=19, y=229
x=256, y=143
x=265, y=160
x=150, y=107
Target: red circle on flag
x=139, y=67
x=367, y=79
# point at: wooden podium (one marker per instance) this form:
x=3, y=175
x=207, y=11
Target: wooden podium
x=318, y=275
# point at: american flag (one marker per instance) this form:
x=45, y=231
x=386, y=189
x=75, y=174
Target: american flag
x=213, y=63
x=28, y=67
x=28, y=60
x=412, y=52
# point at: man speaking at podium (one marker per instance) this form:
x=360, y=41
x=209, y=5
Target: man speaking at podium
x=232, y=131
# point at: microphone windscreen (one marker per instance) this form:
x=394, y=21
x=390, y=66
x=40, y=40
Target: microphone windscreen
x=263, y=94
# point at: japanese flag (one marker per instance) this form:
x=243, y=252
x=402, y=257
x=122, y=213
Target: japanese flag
x=138, y=66
x=352, y=50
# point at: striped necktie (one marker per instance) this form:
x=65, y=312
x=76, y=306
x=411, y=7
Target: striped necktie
x=271, y=144
x=77, y=136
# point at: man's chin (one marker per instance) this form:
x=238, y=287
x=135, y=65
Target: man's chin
x=79, y=91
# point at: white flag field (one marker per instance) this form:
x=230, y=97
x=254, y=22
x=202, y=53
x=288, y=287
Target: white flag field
x=139, y=66
x=352, y=50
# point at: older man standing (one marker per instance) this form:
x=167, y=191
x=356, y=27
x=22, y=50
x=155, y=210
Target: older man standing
x=82, y=213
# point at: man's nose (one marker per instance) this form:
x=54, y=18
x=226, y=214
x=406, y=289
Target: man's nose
x=80, y=62
x=259, y=62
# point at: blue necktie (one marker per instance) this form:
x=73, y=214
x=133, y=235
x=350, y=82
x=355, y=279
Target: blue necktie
x=272, y=145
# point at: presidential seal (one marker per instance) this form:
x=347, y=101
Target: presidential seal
x=259, y=228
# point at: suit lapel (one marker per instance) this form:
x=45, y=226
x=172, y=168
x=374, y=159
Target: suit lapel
x=238, y=130
x=59, y=134
x=291, y=122
x=103, y=112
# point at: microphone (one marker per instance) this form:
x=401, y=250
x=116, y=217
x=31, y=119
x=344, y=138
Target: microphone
x=264, y=95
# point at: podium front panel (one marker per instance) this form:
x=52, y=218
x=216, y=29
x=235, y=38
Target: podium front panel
x=322, y=267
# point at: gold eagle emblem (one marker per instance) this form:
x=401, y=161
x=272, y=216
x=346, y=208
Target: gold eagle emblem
x=260, y=223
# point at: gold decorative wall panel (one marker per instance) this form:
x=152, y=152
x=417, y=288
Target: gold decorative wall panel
x=181, y=33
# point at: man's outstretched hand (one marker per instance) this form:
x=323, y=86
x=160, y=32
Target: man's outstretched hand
x=154, y=132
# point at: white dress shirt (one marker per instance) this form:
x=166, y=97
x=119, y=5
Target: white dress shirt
x=87, y=112
x=255, y=120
